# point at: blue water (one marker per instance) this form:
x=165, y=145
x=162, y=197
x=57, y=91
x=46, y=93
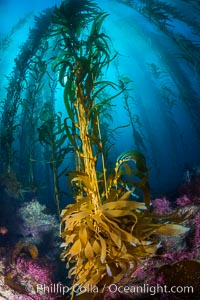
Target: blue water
x=164, y=96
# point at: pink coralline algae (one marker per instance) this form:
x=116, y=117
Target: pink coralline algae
x=161, y=206
x=38, y=270
x=183, y=201
x=21, y=280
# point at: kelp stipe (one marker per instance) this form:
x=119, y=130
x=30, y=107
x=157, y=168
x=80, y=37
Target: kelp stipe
x=51, y=135
x=105, y=232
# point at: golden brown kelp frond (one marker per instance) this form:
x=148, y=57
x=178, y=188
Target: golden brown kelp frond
x=108, y=241
x=105, y=241
x=97, y=244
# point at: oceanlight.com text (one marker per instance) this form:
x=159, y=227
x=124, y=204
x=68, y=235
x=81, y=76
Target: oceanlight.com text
x=150, y=289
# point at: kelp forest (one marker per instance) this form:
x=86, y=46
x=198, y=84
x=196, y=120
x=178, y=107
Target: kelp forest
x=99, y=174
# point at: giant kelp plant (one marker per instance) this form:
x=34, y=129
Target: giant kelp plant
x=104, y=231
